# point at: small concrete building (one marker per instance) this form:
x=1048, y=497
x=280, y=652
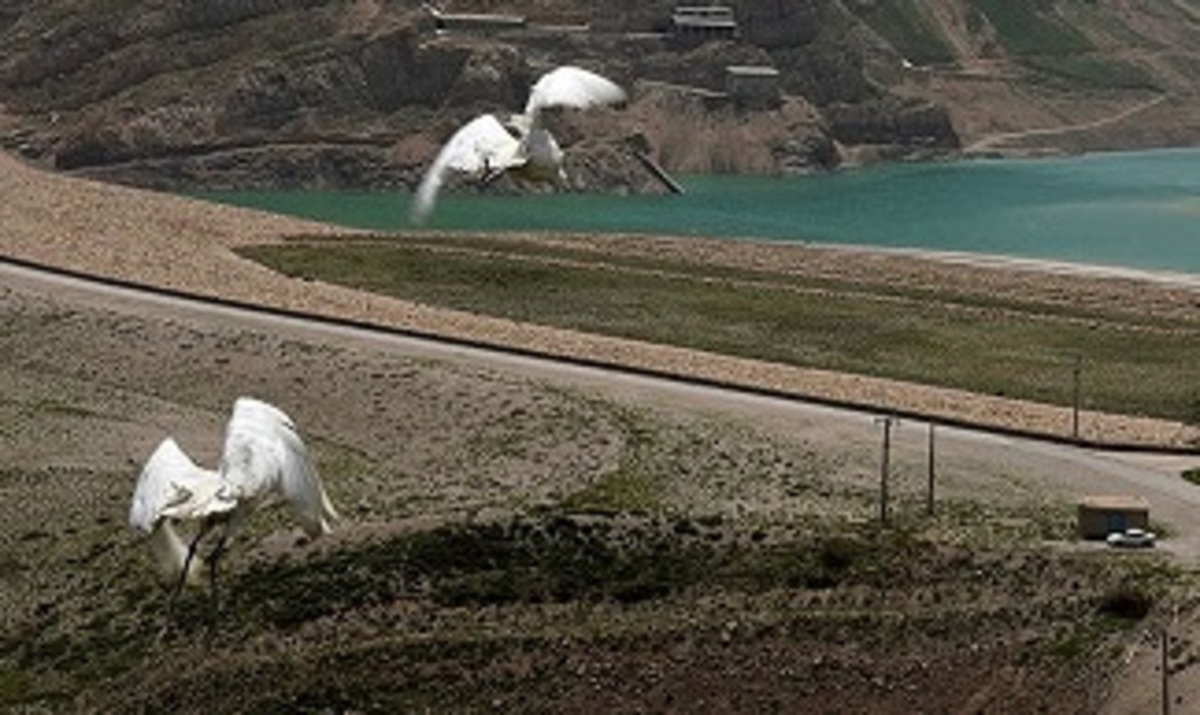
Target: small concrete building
x=482, y=23
x=1100, y=516
x=701, y=23
x=753, y=85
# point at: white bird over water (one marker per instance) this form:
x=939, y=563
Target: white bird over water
x=485, y=148
x=263, y=458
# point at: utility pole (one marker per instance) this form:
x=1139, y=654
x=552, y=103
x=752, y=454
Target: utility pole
x=1164, y=665
x=1075, y=374
x=929, y=494
x=888, y=422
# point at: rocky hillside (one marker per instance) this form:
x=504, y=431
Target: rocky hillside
x=359, y=93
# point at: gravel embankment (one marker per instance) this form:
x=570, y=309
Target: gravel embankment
x=177, y=243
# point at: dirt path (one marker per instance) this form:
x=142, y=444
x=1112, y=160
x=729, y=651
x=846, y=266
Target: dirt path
x=973, y=457
x=988, y=143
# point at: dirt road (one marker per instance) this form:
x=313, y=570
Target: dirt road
x=968, y=460
x=991, y=142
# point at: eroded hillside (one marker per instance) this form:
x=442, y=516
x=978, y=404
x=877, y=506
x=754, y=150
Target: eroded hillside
x=243, y=93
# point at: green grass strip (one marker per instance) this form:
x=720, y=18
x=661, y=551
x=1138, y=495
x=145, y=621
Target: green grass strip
x=946, y=339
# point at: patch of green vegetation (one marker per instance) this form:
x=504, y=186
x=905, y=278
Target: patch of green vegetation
x=1192, y=475
x=1075, y=642
x=638, y=485
x=616, y=492
x=988, y=523
x=552, y=559
x=10, y=565
x=1093, y=70
x=907, y=28
x=337, y=458
x=1032, y=27
x=64, y=409
x=1128, y=601
x=823, y=563
x=1096, y=19
x=1130, y=365
x=347, y=462
x=560, y=558
x=16, y=686
x=1118, y=608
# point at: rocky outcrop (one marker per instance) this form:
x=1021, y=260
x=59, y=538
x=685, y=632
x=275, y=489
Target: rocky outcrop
x=333, y=167
x=891, y=121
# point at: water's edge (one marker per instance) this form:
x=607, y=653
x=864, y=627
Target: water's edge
x=1132, y=213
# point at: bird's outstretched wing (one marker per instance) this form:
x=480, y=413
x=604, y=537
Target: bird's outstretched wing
x=573, y=87
x=482, y=144
x=172, y=486
x=264, y=456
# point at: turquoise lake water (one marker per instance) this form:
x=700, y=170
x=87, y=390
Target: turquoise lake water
x=1135, y=209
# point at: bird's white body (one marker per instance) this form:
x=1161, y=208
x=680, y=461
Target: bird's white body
x=171, y=489
x=485, y=147
x=263, y=457
x=543, y=157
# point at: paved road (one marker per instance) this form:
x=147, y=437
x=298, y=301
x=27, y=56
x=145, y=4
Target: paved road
x=1059, y=469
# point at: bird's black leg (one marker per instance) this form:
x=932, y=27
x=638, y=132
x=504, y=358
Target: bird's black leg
x=183, y=574
x=489, y=175
x=213, y=561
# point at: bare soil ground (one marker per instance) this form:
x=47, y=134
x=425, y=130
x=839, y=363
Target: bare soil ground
x=618, y=557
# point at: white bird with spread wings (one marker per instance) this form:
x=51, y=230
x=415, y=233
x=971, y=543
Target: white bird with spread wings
x=263, y=458
x=484, y=147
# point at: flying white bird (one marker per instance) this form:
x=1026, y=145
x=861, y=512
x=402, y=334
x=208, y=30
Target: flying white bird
x=484, y=147
x=263, y=457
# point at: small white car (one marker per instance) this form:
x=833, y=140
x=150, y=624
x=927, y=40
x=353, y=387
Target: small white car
x=1132, y=539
